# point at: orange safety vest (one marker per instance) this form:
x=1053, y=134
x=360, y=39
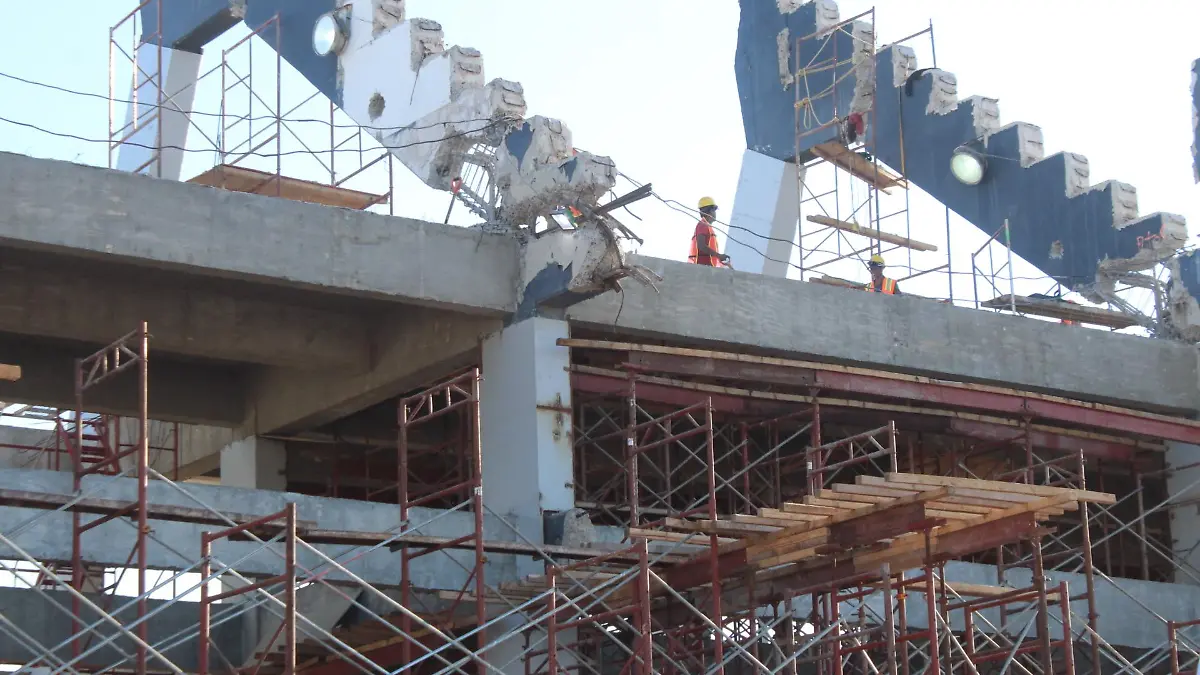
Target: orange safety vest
x=703, y=229
x=889, y=287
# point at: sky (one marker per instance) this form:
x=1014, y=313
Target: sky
x=651, y=84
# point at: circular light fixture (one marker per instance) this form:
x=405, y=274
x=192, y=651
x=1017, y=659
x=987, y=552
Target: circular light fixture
x=328, y=35
x=968, y=165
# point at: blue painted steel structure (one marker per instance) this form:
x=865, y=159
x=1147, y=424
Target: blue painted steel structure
x=189, y=25
x=1196, y=118
x=1059, y=223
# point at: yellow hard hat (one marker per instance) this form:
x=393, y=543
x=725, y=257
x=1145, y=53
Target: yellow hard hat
x=877, y=260
x=706, y=202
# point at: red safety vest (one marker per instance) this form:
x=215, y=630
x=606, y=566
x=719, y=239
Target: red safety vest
x=703, y=229
x=889, y=287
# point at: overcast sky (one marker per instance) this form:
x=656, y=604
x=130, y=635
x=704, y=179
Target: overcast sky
x=650, y=83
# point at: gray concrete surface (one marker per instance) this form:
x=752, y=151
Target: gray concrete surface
x=726, y=309
x=85, y=211
x=47, y=619
x=177, y=545
x=47, y=296
x=181, y=391
x=411, y=348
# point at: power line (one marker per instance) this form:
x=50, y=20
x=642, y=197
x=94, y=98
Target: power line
x=256, y=118
x=246, y=154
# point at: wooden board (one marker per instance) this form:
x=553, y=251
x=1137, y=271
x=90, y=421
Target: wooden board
x=859, y=166
x=1056, y=309
x=10, y=373
x=251, y=181
x=855, y=228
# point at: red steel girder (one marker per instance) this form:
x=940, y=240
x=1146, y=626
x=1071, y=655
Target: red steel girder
x=1121, y=452
x=882, y=525
x=698, y=571
x=949, y=394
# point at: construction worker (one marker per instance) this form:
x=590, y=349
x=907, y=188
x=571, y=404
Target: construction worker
x=880, y=283
x=705, y=250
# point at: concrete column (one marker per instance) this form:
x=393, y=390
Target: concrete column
x=1184, y=489
x=178, y=76
x=254, y=462
x=767, y=204
x=527, y=461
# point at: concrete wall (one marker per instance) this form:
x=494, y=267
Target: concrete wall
x=737, y=310
x=22, y=458
x=50, y=625
x=49, y=538
x=85, y=211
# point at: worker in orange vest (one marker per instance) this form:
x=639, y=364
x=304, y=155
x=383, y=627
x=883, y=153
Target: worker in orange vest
x=705, y=250
x=880, y=283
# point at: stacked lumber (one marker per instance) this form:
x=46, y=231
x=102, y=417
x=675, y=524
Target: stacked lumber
x=900, y=519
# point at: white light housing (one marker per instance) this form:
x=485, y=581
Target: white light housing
x=328, y=35
x=968, y=165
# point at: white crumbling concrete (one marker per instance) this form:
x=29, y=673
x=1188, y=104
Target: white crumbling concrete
x=430, y=106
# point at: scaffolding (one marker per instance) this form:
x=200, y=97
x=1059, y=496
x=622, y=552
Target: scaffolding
x=754, y=542
x=261, y=142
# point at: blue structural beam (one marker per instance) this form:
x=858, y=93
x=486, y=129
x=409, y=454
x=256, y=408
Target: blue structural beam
x=777, y=57
x=189, y=25
x=1196, y=118
x=1058, y=220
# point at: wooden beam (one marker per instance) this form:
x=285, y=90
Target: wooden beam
x=999, y=486
x=252, y=181
x=855, y=228
x=859, y=166
x=1060, y=309
x=10, y=373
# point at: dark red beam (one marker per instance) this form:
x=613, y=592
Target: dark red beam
x=674, y=396
x=957, y=395
x=698, y=571
x=876, y=526
x=976, y=539
x=1122, y=452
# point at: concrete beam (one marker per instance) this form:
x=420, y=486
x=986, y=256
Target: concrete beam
x=726, y=309
x=42, y=298
x=46, y=618
x=198, y=393
x=49, y=538
x=84, y=211
x=411, y=349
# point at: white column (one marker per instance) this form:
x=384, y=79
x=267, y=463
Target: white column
x=768, y=205
x=254, y=462
x=527, y=461
x=1185, y=519
x=180, y=70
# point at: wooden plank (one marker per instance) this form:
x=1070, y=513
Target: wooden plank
x=780, y=514
x=855, y=228
x=1057, y=309
x=720, y=527
x=953, y=503
x=252, y=181
x=762, y=520
x=10, y=373
x=693, y=539
x=866, y=170
x=1002, y=486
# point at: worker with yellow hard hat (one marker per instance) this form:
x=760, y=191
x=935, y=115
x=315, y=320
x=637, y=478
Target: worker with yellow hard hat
x=705, y=250
x=880, y=283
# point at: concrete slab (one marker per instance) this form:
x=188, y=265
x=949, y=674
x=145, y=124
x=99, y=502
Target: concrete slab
x=76, y=210
x=727, y=309
x=43, y=618
x=47, y=535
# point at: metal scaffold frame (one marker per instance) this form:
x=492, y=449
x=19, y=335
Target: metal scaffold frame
x=820, y=568
x=253, y=123
x=852, y=204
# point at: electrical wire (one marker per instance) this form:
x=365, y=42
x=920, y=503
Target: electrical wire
x=257, y=118
x=60, y=134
